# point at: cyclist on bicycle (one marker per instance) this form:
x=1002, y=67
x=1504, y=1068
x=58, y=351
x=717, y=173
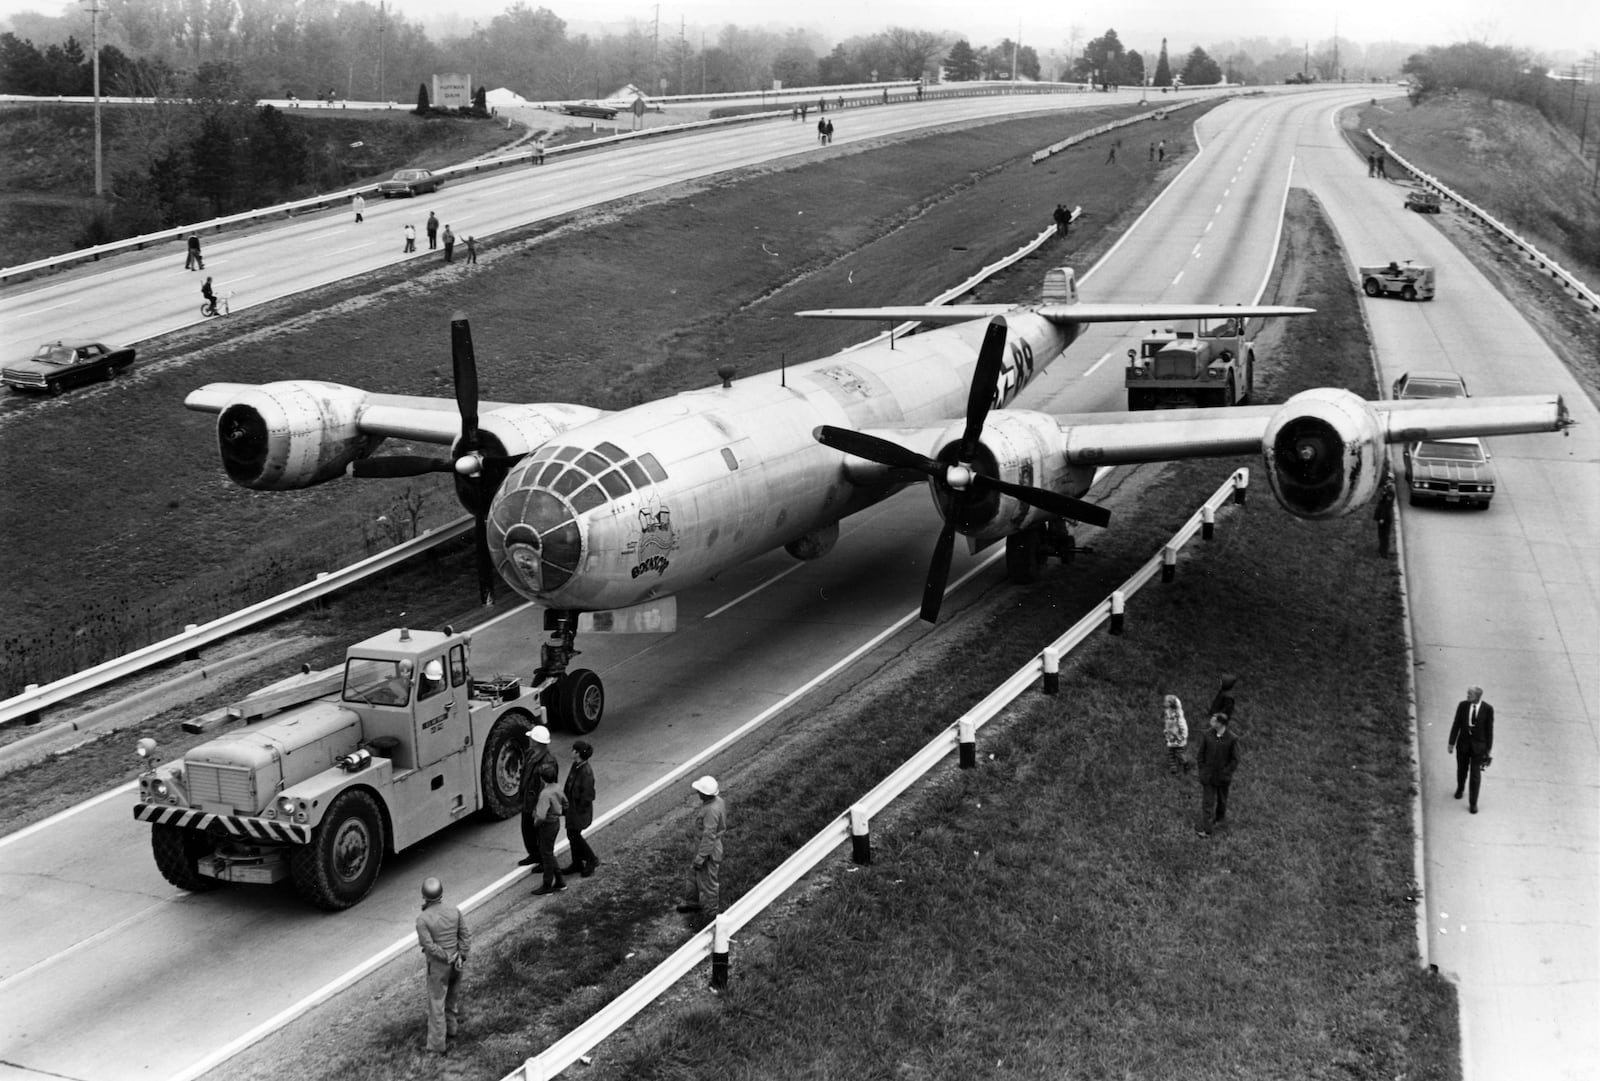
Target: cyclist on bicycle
x=211, y=297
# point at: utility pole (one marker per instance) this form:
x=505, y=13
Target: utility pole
x=94, y=44
x=380, y=51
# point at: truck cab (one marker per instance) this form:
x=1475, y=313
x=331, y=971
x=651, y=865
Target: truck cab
x=1182, y=369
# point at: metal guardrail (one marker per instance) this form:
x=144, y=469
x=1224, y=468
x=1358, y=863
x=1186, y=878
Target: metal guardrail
x=36, y=697
x=1082, y=136
x=714, y=941
x=1568, y=279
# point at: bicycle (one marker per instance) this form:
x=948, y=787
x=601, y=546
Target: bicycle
x=219, y=306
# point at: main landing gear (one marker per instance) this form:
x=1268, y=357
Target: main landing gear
x=1028, y=551
x=573, y=699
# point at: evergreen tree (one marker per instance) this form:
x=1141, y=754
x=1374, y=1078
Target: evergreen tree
x=961, y=66
x=480, y=101
x=422, y=99
x=1163, y=68
x=1200, y=70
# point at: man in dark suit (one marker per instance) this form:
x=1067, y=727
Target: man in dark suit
x=1472, y=738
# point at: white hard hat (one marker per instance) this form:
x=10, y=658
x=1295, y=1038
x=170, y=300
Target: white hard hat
x=433, y=670
x=706, y=786
x=539, y=734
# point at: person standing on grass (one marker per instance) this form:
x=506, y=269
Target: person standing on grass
x=1471, y=740
x=1176, y=731
x=411, y=238
x=449, y=245
x=432, y=226
x=547, y=813
x=472, y=251
x=579, y=791
x=705, y=872
x=1383, y=513
x=1216, y=761
x=1223, y=701
x=1372, y=164
x=446, y=941
x=532, y=781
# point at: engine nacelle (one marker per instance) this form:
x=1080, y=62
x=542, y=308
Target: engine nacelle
x=1325, y=453
x=282, y=436
x=1019, y=446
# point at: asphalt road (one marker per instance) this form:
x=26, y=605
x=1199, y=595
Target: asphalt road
x=106, y=972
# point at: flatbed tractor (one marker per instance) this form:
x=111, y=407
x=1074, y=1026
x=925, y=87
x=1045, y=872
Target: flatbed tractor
x=334, y=770
x=1187, y=369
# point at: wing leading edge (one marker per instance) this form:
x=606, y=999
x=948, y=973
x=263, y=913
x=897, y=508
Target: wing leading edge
x=1056, y=313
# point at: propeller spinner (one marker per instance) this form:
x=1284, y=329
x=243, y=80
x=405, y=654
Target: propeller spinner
x=479, y=471
x=959, y=477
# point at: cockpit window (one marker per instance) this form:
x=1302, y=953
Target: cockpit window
x=614, y=483
x=653, y=467
x=543, y=452
x=612, y=452
x=588, y=499
x=635, y=474
x=549, y=474
x=568, y=482
x=593, y=463
x=566, y=454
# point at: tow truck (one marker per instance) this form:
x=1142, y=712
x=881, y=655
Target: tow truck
x=334, y=769
x=1408, y=281
x=1182, y=369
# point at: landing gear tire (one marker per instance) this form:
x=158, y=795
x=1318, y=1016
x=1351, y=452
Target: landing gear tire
x=1025, y=557
x=341, y=864
x=501, y=769
x=177, y=852
x=1371, y=287
x=582, y=701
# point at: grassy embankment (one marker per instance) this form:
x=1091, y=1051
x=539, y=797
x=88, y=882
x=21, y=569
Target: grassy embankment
x=1052, y=913
x=605, y=308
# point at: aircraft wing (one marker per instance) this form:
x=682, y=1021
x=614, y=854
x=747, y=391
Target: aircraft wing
x=402, y=416
x=1056, y=313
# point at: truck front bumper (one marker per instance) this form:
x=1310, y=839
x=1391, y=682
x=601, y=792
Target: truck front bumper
x=234, y=827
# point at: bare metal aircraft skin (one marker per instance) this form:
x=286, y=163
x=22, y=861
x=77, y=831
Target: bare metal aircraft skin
x=588, y=511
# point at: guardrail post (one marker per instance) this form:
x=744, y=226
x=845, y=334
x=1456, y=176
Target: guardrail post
x=967, y=734
x=1169, y=563
x=1052, y=670
x=860, y=839
x=33, y=716
x=1241, y=485
x=1119, y=601
x=192, y=654
x=1208, y=522
x=531, y=1070
x=720, y=942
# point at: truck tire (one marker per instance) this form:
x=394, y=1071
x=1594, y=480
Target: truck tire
x=1025, y=557
x=500, y=771
x=341, y=864
x=583, y=701
x=1408, y=292
x=177, y=851
x=1371, y=287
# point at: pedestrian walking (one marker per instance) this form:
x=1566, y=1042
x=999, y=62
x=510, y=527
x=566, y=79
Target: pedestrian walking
x=1471, y=740
x=411, y=237
x=1063, y=218
x=547, y=814
x=1372, y=164
x=705, y=872
x=1383, y=513
x=449, y=245
x=1112, y=156
x=538, y=151
x=1152, y=151
x=822, y=131
x=193, y=261
x=1216, y=761
x=538, y=754
x=446, y=943
x=359, y=205
x=472, y=251
x=1383, y=174
x=1161, y=150
x=579, y=791
x=1222, y=701
x=1175, y=729
x=433, y=231
x=827, y=133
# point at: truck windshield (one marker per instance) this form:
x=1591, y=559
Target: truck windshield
x=377, y=682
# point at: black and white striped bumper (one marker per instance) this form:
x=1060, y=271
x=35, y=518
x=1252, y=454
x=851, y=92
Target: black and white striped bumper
x=236, y=827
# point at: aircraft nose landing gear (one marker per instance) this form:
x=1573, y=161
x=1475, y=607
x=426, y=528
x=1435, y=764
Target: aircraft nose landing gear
x=573, y=699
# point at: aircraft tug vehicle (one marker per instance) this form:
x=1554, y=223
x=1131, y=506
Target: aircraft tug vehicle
x=339, y=768
x=603, y=517
x=1207, y=366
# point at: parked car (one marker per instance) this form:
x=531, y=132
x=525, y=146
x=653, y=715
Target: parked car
x=1430, y=385
x=1423, y=202
x=409, y=182
x=57, y=366
x=1409, y=282
x=1451, y=471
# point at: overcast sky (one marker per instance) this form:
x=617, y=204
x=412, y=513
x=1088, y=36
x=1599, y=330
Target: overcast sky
x=1553, y=27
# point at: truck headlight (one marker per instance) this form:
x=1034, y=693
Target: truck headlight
x=158, y=788
x=286, y=806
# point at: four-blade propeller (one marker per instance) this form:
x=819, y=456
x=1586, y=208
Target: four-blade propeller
x=959, y=477
x=479, y=471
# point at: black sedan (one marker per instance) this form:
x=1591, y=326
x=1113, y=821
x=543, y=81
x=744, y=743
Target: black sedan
x=409, y=182
x=57, y=366
x=1430, y=385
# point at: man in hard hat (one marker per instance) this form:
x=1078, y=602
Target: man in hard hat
x=538, y=754
x=432, y=679
x=446, y=942
x=703, y=875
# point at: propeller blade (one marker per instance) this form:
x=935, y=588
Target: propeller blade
x=465, y=370
x=874, y=449
x=480, y=542
x=984, y=378
x=938, y=574
x=400, y=465
x=1066, y=506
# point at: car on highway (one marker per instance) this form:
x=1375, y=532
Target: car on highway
x=57, y=366
x=1450, y=471
x=1430, y=385
x=410, y=182
x=1423, y=202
